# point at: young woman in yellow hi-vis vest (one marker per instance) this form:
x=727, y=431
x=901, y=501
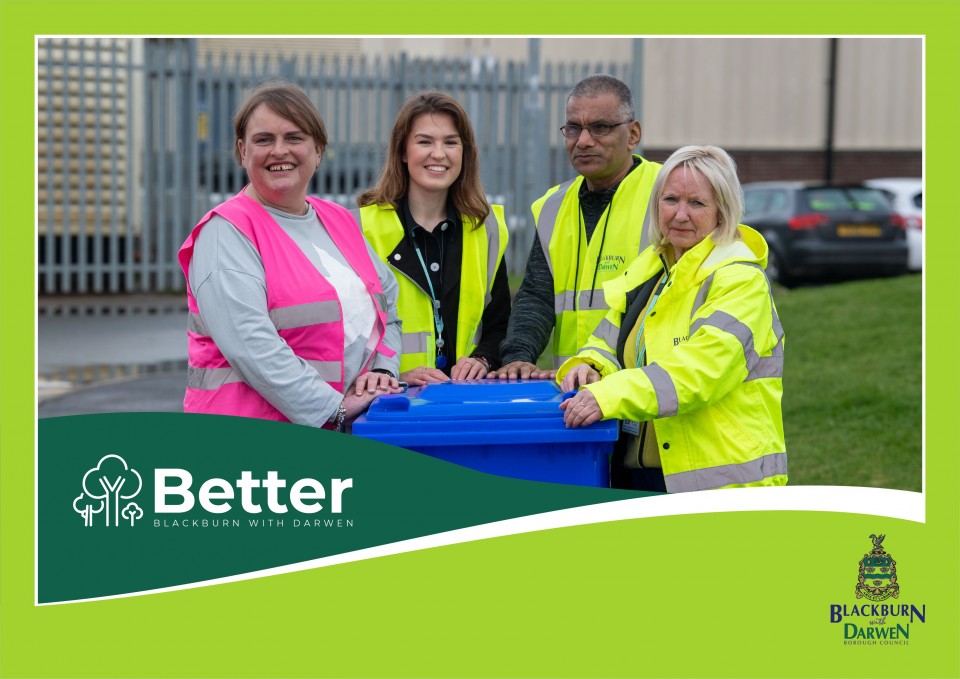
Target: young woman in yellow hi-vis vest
x=428, y=218
x=690, y=355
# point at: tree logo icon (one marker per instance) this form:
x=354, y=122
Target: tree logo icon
x=105, y=487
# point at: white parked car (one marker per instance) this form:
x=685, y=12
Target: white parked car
x=906, y=196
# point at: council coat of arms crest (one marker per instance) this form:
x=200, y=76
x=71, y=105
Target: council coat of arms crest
x=878, y=573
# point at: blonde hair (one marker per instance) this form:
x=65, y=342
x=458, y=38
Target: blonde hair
x=720, y=171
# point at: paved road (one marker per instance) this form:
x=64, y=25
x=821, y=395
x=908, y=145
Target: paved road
x=157, y=393
x=125, y=354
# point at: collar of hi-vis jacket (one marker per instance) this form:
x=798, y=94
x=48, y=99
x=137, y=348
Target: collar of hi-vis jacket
x=696, y=265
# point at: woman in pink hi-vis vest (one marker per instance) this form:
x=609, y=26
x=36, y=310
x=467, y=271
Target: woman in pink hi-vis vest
x=292, y=315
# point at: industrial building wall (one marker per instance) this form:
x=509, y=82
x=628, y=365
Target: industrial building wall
x=748, y=93
x=771, y=93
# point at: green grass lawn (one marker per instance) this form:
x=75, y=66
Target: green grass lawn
x=852, y=385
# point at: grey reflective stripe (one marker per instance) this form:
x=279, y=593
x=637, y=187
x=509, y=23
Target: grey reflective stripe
x=701, y=297
x=195, y=324
x=558, y=361
x=599, y=301
x=381, y=300
x=754, y=471
x=668, y=403
x=547, y=221
x=301, y=315
x=330, y=371
x=609, y=356
x=355, y=212
x=757, y=366
x=209, y=379
x=476, y=336
x=564, y=301
x=493, y=249
x=769, y=366
x=644, y=230
x=608, y=332
x=414, y=342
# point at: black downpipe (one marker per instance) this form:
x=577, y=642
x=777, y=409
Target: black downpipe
x=831, y=110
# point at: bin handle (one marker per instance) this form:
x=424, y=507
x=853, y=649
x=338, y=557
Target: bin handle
x=391, y=403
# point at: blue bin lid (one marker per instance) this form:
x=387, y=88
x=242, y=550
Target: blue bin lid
x=476, y=412
x=471, y=400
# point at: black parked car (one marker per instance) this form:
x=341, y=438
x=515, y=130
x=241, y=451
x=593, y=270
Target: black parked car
x=815, y=230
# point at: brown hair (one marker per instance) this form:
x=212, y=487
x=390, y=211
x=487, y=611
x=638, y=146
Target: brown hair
x=287, y=100
x=466, y=192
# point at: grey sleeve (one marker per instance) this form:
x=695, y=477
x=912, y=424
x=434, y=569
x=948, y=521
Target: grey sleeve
x=533, y=317
x=391, y=335
x=227, y=278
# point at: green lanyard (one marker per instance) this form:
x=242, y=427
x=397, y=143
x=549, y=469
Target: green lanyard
x=642, y=350
x=440, y=360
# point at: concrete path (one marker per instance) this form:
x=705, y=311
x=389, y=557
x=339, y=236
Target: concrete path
x=111, y=354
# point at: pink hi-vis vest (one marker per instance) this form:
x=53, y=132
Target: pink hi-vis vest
x=302, y=304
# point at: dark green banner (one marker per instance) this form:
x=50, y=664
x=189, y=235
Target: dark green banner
x=139, y=501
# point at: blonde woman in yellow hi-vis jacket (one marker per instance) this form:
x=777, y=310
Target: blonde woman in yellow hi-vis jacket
x=690, y=356
x=429, y=220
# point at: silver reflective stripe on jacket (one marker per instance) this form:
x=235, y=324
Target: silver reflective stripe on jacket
x=547, y=222
x=757, y=366
x=609, y=356
x=668, y=403
x=493, y=250
x=608, y=332
x=210, y=379
x=302, y=315
x=285, y=318
x=414, y=342
x=558, y=361
x=589, y=300
x=355, y=213
x=754, y=471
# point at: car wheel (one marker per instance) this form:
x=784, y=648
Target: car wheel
x=775, y=270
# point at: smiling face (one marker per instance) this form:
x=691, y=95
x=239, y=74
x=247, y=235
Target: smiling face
x=603, y=161
x=279, y=158
x=433, y=153
x=687, y=209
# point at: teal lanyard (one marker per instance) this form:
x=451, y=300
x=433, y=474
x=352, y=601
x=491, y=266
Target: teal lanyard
x=441, y=361
x=641, y=350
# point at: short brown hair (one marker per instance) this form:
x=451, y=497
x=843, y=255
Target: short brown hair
x=287, y=100
x=466, y=192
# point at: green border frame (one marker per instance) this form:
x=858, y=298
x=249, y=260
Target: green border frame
x=739, y=594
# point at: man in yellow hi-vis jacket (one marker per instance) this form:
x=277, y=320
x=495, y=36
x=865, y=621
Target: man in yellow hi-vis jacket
x=588, y=229
x=690, y=355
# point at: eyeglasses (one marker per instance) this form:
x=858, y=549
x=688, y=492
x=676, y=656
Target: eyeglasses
x=595, y=129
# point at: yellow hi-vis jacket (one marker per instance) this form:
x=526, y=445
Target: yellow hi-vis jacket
x=579, y=269
x=483, y=250
x=713, y=378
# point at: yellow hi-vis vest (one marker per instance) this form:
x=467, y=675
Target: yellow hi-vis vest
x=483, y=250
x=713, y=379
x=579, y=269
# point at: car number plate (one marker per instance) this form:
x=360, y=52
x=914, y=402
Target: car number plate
x=858, y=230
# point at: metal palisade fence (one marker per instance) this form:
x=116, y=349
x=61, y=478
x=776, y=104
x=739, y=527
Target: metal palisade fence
x=135, y=143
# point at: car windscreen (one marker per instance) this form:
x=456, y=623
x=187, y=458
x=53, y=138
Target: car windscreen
x=840, y=199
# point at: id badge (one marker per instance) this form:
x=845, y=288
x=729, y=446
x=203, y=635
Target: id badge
x=631, y=427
